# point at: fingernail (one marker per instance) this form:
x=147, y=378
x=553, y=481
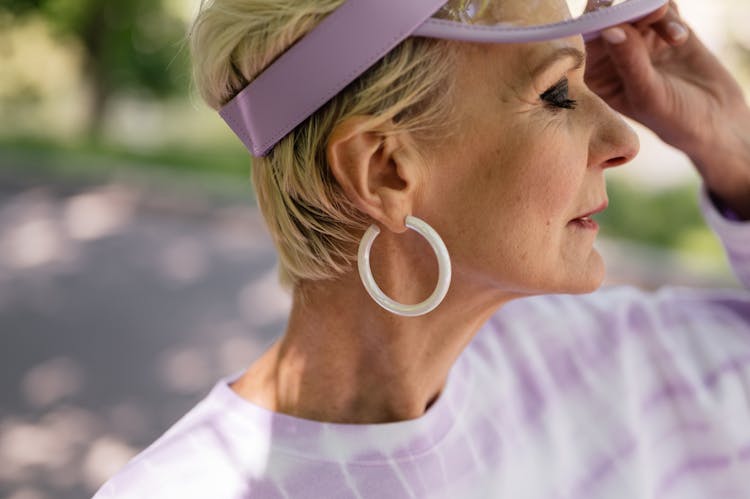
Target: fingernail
x=614, y=35
x=676, y=30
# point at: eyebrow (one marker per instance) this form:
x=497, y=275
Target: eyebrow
x=576, y=54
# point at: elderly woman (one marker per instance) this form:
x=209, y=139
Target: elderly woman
x=495, y=155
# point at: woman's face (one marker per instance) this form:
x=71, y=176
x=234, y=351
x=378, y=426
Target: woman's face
x=525, y=162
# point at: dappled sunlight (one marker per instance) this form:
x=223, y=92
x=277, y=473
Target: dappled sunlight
x=129, y=420
x=107, y=455
x=237, y=353
x=27, y=446
x=39, y=230
x=184, y=261
x=75, y=423
x=242, y=229
x=185, y=369
x=51, y=444
x=94, y=270
x=33, y=243
x=27, y=493
x=188, y=369
x=263, y=301
x=30, y=235
x=99, y=213
x=64, y=449
x=51, y=381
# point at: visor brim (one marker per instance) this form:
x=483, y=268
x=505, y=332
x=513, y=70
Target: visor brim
x=590, y=25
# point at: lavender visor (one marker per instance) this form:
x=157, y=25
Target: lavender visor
x=360, y=32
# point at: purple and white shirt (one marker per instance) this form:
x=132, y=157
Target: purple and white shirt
x=617, y=394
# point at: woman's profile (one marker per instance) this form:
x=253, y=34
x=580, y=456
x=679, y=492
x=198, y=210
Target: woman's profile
x=428, y=171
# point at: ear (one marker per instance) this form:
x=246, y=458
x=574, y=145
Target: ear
x=379, y=174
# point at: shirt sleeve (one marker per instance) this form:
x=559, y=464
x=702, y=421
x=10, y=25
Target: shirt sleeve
x=733, y=233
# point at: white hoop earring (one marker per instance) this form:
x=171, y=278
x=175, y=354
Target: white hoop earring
x=377, y=294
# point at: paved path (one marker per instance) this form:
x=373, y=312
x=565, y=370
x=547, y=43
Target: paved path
x=117, y=313
x=121, y=307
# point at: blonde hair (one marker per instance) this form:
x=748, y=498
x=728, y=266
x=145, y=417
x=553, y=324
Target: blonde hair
x=314, y=226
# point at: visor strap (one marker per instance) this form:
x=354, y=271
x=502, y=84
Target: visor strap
x=337, y=51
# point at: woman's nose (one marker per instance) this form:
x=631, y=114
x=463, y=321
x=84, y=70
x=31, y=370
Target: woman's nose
x=614, y=142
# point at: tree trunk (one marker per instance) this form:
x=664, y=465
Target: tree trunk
x=93, y=38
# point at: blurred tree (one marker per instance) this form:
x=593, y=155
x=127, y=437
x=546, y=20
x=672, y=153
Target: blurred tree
x=132, y=46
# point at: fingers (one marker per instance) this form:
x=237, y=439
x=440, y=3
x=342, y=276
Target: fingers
x=666, y=22
x=654, y=17
x=671, y=27
x=631, y=58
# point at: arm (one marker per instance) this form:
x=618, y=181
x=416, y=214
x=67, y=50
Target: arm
x=729, y=193
x=734, y=235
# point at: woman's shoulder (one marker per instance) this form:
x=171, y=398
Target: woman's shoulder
x=189, y=460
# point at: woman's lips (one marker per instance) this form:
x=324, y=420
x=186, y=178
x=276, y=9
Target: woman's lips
x=599, y=209
x=585, y=223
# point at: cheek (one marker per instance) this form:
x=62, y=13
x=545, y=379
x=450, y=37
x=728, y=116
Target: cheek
x=535, y=208
x=505, y=207
x=515, y=221
x=548, y=186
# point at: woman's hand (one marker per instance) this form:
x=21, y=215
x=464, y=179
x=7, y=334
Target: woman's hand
x=659, y=73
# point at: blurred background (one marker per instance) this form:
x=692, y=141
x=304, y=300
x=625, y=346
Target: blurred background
x=134, y=268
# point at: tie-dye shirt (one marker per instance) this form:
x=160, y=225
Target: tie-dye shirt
x=617, y=394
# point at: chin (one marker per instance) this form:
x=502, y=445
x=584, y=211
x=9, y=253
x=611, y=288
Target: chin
x=582, y=279
x=591, y=278
x=562, y=279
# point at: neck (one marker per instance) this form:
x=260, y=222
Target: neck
x=344, y=359
x=357, y=363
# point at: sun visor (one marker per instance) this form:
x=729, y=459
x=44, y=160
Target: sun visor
x=358, y=33
x=492, y=21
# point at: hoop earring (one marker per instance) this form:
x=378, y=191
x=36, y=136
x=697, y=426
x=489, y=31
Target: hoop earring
x=377, y=294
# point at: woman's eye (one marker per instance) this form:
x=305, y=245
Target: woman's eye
x=557, y=96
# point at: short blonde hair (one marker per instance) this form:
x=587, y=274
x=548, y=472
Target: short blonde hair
x=315, y=227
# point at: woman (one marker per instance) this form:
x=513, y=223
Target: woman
x=501, y=149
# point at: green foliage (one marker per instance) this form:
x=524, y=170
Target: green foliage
x=133, y=46
x=20, y=6
x=656, y=218
x=86, y=156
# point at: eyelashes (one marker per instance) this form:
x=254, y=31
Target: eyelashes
x=557, y=96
